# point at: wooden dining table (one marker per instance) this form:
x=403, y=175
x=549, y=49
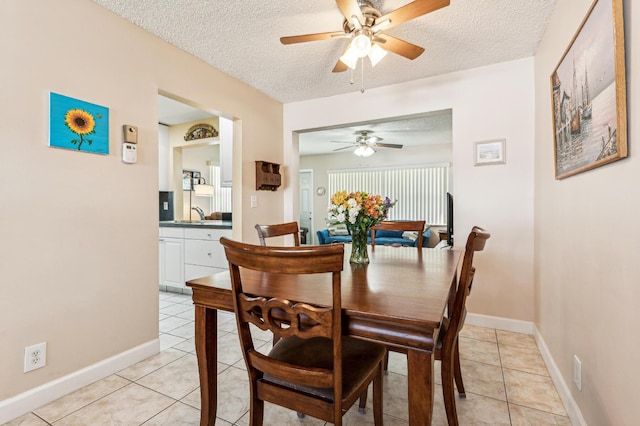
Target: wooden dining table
x=398, y=299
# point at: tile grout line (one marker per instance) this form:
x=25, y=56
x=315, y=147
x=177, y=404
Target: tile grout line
x=92, y=402
x=504, y=382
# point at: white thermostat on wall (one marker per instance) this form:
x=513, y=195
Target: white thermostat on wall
x=129, y=153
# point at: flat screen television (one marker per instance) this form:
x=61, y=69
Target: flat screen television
x=449, y=219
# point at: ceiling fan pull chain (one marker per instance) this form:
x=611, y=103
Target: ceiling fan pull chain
x=351, y=76
x=362, y=75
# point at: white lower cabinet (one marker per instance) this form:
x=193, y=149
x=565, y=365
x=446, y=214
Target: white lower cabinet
x=188, y=253
x=203, y=254
x=171, y=251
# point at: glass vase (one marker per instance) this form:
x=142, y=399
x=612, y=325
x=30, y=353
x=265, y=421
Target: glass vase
x=359, y=252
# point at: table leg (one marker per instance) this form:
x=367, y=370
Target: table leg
x=420, y=372
x=207, y=353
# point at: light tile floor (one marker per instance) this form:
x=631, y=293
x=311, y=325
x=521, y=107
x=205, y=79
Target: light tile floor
x=506, y=381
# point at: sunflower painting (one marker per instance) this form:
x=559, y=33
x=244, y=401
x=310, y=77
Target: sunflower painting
x=78, y=125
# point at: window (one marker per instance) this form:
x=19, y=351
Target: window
x=421, y=191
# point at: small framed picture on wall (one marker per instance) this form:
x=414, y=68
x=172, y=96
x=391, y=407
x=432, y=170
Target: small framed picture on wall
x=489, y=152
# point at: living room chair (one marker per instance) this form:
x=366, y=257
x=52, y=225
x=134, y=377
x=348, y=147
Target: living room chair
x=277, y=230
x=387, y=225
x=304, y=370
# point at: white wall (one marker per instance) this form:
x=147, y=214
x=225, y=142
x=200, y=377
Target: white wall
x=586, y=243
x=164, y=158
x=490, y=102
x=79, y=231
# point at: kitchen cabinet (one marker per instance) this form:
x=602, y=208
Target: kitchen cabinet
x=203, y=254
x=187, y=253
x=171, y=252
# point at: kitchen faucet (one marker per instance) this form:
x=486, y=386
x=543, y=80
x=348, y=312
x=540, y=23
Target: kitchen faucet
x=200, y=212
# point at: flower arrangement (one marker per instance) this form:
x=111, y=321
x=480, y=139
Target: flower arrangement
x=358, y=208
x=359, y=211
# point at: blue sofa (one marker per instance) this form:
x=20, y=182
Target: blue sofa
x=383, y=237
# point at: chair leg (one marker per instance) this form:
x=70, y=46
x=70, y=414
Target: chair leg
x=447, y=388
x=377, y=398
x=256, y=410
x=457, y=372
x=363, y=402
x=385, y=363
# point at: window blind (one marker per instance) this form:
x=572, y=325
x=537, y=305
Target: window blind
x=420, y=191
x=221, y=200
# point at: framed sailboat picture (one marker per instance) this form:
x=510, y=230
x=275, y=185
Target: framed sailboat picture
x=588, y=90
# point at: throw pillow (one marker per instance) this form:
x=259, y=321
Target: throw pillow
x=410, y=235
x=338, y=230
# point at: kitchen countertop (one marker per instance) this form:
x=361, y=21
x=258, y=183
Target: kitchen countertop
x=211, y=224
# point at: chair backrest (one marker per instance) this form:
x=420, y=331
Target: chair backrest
x=475, y=242
x=286, y=318
x=408, y=225
x=277, y=230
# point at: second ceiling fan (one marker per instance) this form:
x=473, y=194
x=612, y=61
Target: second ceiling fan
x=365, y=143
x=365, y=26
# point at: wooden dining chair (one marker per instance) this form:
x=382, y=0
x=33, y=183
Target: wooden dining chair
x=277, y=230
x=313, y=369
x=447, y=350
x=387, y=225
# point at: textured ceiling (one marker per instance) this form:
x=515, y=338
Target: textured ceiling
x=241, y=38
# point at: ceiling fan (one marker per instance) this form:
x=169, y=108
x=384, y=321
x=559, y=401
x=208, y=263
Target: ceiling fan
x=364, y=25
x=365, y=143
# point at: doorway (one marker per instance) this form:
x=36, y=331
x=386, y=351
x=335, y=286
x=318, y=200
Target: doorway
x=306, y=207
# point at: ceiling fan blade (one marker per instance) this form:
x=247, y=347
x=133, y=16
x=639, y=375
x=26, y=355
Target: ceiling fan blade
x=343, y=148
x=350, y=8
x=389, y=145
x=349, y=142
x=412, y=10
x=310, y=37
x=400, y=47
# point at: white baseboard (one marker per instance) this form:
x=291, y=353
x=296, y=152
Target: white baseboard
x=573, y=411
x=506, y=324
x=25, y=402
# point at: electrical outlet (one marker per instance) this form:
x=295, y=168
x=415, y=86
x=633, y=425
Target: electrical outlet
x=35, y=356
x=577, y=372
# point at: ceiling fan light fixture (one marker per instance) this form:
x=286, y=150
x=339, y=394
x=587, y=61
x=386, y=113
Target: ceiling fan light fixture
x=376, y=54
x=361, y=45
x=349, y=58
x=364, y=151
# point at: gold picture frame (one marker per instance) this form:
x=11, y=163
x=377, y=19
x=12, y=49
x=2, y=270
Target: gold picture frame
x=588, y=90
